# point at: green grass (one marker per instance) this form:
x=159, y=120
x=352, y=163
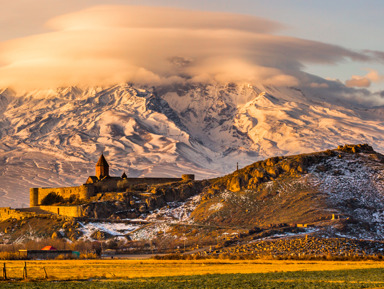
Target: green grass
x=360, y=278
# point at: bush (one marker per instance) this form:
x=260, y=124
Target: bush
x=175, y=256
x=63, y=257
x=52, y=198
x=88, y=256
x=10, y=256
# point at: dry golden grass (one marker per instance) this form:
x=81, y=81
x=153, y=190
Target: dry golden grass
x=122, y=269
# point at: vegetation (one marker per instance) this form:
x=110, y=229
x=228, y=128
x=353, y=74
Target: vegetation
x=10, y=256
x=52, y=198
x=195, y=274
x=304, y=248
x=86, y=248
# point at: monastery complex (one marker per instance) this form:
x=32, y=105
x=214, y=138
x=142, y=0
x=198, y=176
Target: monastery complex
x=102, y=182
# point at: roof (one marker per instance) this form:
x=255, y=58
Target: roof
x=102, y=162
x=49, y=248
x=91, y=180
x=124, y=176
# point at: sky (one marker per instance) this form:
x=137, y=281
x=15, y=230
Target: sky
x=46, y=43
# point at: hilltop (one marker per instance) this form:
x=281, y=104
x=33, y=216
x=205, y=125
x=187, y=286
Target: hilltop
x=346, y=182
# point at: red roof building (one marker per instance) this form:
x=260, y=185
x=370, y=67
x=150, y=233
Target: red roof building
x=49, y=248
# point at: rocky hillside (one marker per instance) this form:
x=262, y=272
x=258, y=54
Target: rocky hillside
x=347, y=182
x=334, y=193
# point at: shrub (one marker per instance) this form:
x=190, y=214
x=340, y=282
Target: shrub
x=52, y=198
x=61, y=257
x=175, y=256
x=11, y=256
x=88, y=256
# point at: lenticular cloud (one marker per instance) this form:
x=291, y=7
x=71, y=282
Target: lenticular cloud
x=151, y=45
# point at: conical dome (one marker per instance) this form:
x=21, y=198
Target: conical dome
x=102, y=162
x=102, y=168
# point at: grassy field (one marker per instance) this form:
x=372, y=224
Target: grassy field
x=195, y=274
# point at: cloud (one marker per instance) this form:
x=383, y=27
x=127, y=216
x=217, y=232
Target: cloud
x=154, y=45
x=358, y=81
x=366, y=80
x=374, y=76
x=160, y=18
x=318, y=85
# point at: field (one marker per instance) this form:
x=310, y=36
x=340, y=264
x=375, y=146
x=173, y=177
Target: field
x=195, y=274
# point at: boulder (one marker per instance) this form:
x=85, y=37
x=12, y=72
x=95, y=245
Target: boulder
x=101, y=235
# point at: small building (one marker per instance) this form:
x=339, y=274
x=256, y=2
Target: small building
x=48, y=252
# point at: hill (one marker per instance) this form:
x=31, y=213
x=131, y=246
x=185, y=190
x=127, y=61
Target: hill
x=335, y=195
x=346, y=182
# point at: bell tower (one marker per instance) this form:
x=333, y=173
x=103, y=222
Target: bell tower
x=102, y=168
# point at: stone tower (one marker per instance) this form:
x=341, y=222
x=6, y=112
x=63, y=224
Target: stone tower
x=102, y=168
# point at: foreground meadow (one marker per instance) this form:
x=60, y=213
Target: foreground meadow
x=194, y=274
x=123, y=269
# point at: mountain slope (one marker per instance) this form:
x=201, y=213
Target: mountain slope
x=347, y=183
x=54, y=137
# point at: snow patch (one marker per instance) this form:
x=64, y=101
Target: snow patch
x=176, y=212
x=114, y=229
x=216, y=207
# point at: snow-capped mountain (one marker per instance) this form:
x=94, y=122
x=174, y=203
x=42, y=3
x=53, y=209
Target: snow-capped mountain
x=54, y=137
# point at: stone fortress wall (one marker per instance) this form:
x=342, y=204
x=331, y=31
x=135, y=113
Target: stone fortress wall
x=9, y=213
x=38, y=194
x=86, y=191
x=69, y=211
x=20, y=214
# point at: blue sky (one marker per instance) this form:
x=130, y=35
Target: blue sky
x=354, y=25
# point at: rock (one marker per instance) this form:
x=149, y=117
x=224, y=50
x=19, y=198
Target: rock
x=321, y=168
x=286, y=166
x=75, y=235
x=151, y=203
x=259, y=174
x=143, y=208
x=272, y=172
x=235, y=184
x=356, y=148
x=132, y=215
x=101, y=235
x=272, y=161
x=301, y=169
x=56, y=235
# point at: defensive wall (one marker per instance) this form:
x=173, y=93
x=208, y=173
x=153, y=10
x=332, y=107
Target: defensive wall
x=110, y=184
x=68, y=211
x=125, y=183
x=116, y=184
x=81, y=192
x=9, y=213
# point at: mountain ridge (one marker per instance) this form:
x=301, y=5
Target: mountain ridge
x=53, y=137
